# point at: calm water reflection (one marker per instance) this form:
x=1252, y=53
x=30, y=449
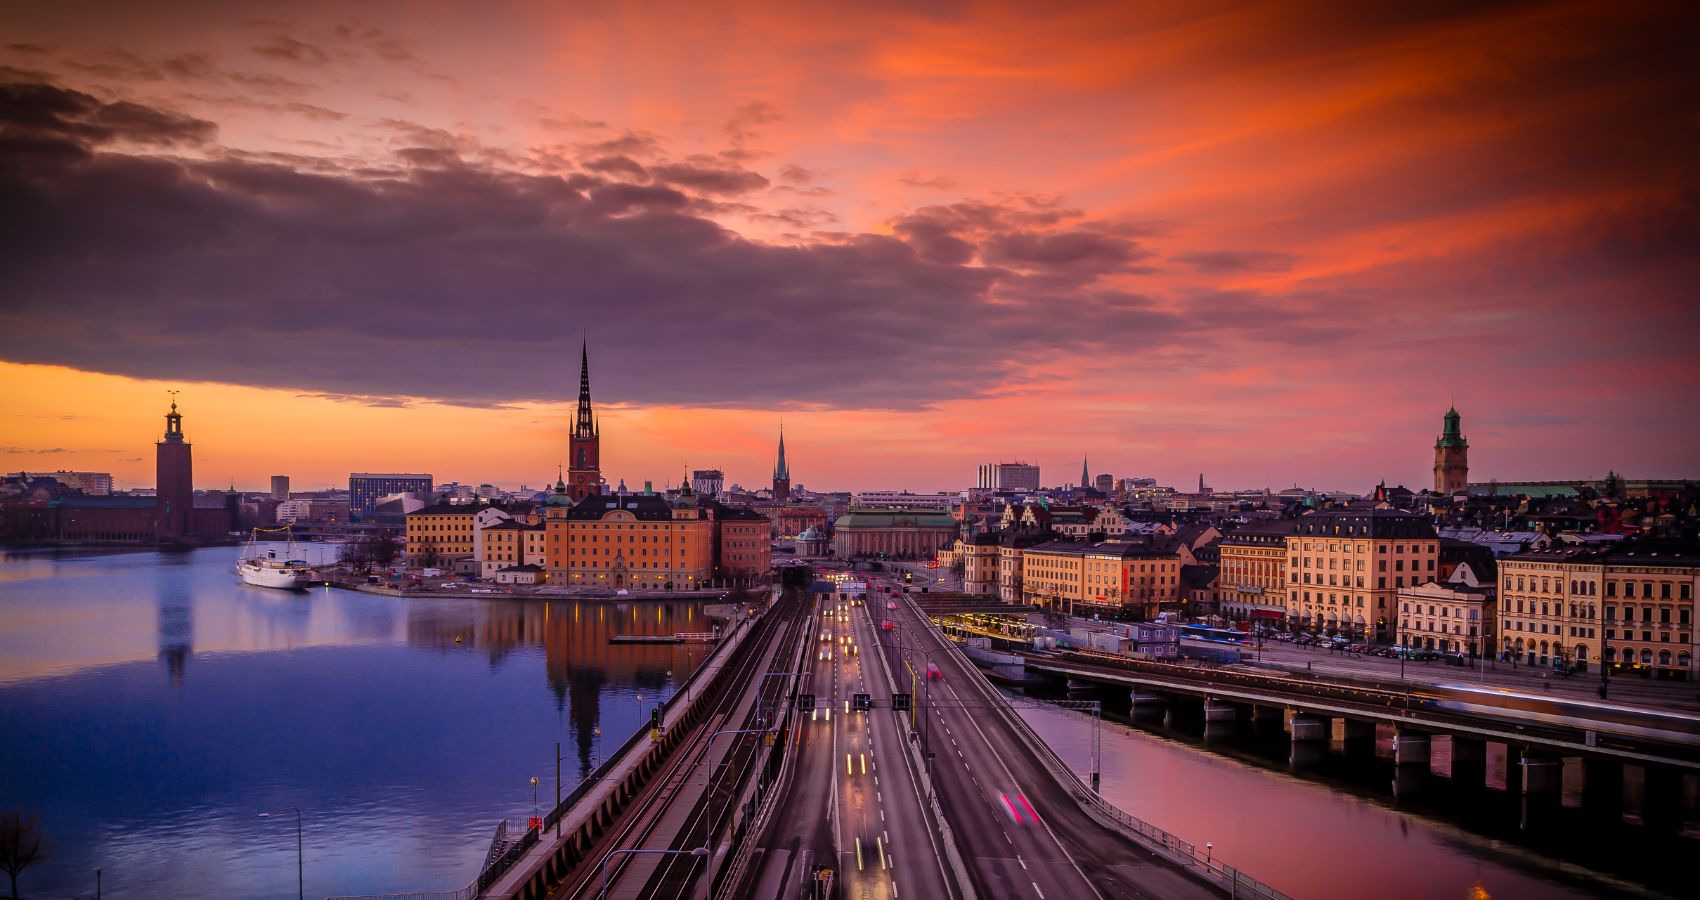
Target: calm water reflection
x=152, y=706
x=1308, y=839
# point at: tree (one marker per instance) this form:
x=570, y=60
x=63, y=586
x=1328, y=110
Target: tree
x=22, y=844
x=383, y=548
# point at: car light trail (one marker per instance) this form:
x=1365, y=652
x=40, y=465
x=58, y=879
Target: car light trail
x=1011, y=807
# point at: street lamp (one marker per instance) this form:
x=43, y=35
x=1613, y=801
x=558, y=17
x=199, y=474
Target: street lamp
x=535, y=814
x=699, y=851
x=300, y=868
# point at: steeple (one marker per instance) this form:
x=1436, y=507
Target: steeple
x=174, y=422
x=1085, y=474
x=781, y=471
x=586, y=425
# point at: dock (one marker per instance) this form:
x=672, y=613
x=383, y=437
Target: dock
x=681, y=637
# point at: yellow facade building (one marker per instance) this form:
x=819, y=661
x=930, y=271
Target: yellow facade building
x=1123, y=576
x=1345, y=568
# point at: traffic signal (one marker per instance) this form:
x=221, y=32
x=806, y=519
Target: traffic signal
x=655, y=719
x=900, y=702
x=806, y=702
x=861, y=701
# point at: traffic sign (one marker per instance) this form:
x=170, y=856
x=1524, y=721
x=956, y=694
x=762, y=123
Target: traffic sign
x=806, y=702
x=900, y=702
x=861, y=701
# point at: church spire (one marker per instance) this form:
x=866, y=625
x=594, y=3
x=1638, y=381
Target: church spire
x=1085, y=474
x=586, y=424
x=780, y=469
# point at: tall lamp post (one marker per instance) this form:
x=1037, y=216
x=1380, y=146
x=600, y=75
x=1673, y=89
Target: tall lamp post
x=300, y=867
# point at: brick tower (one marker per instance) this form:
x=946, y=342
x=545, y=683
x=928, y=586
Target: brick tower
x=1451, y=457
x=173, y=481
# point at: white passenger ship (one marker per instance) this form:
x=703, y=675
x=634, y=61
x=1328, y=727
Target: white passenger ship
x=265, y=568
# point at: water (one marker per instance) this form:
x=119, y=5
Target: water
x=151, y=707
x=1307, y=838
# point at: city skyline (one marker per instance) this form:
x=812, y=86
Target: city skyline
x=1153, y=238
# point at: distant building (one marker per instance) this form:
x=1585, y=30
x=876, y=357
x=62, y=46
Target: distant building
x=1013, y=477
x=94, y=484
x=1451, y=457
x=584, y=448
x=893, y=534
x=366, y=489
x=781, y=473
x=902, y=500
x=708, y=482
x=174, y=483
x=280, y=487
x=1105, y=484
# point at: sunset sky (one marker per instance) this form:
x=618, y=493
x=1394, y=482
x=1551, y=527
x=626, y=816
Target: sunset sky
x=1265, y=241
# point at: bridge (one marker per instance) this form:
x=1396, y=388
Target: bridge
x=828, y=749
x=1540, y=734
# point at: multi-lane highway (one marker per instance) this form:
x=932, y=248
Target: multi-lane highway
x=854, y=822
x=1019, y=830
x=862, y=799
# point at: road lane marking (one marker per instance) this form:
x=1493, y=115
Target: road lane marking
x=1020, y=860
x=1037, y=891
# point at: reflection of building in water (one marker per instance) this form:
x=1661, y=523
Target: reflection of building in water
x=578, y=660
x=176, y=616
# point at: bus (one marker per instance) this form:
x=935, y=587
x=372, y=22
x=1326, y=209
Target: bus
x=1216, y=635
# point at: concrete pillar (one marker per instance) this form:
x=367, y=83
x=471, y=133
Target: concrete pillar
x=1306, y=727
x=1661, y=803
x=1148, y=704
x=1267, y=719
x=1469, y=763
x=1602, y=789
x=1220, y=710
x=1541, y=781
x=1410, y=748
x=1353, y=731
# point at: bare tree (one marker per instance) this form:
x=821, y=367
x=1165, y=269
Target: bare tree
x=384, y=548
x=22, y=844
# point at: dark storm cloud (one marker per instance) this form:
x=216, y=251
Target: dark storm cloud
x=33, y=111
x=709, y=179
x=1227, y=262
x=458, y=280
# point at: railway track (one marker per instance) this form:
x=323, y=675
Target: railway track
x=641, y=819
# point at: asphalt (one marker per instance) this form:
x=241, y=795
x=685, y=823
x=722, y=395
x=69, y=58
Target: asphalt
x=1021, y=833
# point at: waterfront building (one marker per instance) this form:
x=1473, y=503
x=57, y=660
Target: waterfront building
x=1009, y=477
x=93, y=484
x=1451, y=457
x=1452, y=617
x=174, y=485
x=443, y=533
x=512, y=542
x=1346, y=566
x=894, y=533
x=781, y=473
x=584, y=448
x=366, y=489
x=647, y=541
x=1631, y=604
x=1252, y=583
x=1121, y=576
x=280, y=487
